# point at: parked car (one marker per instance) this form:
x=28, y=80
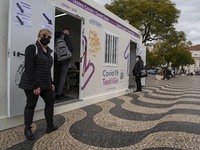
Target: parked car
x=151, y=71
x=190, y=74
x=197, y=73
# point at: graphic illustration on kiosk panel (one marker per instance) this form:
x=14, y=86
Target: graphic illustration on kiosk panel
x=86, y=64
x=94, y=43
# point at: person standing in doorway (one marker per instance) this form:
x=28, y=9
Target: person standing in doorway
x=137, y=72
x=36, y=81
x=62, y=66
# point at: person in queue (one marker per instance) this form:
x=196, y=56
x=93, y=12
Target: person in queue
x=36, y=81
x=137, y=72
x=62, y=66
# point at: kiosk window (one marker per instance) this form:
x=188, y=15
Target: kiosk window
x=111, y=49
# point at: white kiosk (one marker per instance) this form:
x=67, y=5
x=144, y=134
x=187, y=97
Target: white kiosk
x=104, y=53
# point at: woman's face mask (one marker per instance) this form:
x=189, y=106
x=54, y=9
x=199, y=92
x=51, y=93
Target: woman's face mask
x=45, y=40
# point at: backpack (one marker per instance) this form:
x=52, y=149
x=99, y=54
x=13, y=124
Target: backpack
x=61, y=49
x=21, y=69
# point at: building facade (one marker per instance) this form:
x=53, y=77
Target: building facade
x=195, y=68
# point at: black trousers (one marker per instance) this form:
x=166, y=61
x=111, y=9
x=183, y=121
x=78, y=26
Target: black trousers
x=138, y=83
x=31, y=102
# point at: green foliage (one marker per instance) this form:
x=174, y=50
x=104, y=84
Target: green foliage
x=177, y=49
x=153, y=58
x=176, y=53
x=182, y=57
x=154, y=18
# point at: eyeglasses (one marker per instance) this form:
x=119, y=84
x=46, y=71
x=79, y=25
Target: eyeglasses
x=44, y=35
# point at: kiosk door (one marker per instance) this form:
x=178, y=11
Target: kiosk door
x=26, y=18
x=132, y=63
x=142, y=52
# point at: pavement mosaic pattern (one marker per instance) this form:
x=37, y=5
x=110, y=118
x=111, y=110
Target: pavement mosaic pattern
x=165, y=116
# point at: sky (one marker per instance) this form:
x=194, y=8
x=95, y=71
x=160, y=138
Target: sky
x=189, y=20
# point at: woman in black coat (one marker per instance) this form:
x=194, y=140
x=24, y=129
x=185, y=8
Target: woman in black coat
x=36, y=81
x=137, y=72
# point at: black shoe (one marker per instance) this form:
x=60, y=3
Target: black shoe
x=138, y=91
x=59, y=97
x=49, y=130
x=63, y=94
x=28, y=134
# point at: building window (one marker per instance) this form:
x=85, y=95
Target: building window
x=111, y=49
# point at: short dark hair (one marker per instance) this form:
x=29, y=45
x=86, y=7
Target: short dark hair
x=138, y=56
x=65, y=28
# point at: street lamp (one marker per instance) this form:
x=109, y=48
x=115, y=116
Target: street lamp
x=163, y=56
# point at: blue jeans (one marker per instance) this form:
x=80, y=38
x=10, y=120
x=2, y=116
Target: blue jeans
x=63, y=69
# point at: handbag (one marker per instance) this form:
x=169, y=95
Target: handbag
x=144, y=73
x=21, y=69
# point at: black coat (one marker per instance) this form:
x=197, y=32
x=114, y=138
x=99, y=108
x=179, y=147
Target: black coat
x=37, y=71
x=138, y=68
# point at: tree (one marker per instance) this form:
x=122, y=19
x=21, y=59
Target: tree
x=154, y=18
x=177, y=48
x=153, y=58
x=182, y=57
x=176, y=53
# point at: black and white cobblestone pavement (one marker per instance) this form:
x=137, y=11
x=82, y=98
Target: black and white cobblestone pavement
x=165, y=116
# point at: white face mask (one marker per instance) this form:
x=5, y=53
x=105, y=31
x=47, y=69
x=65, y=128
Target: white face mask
x=137, y=59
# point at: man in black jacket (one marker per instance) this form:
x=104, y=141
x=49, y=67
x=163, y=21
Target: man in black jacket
x=137, y=72
x=62, y=66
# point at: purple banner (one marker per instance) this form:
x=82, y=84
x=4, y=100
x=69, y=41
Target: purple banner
x=102, y=16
